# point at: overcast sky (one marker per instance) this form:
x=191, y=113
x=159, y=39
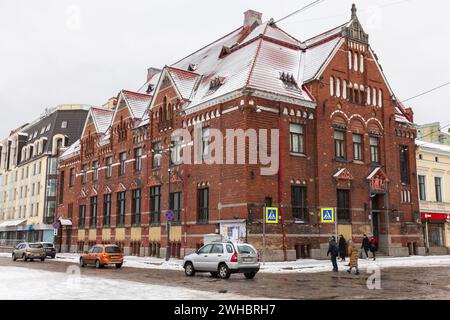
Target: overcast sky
x=56, y=52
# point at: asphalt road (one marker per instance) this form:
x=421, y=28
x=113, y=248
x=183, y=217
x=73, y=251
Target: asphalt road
x=396, y=283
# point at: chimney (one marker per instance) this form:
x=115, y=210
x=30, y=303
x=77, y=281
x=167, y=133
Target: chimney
x=409, y=112
x=151, y=72
x=251, y=17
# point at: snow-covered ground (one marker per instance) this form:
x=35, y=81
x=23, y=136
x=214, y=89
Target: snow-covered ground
x=24, y=283
x=303, y=265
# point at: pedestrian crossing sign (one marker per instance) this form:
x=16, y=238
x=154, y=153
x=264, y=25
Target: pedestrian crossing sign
x=271, y=215
x=327, y=215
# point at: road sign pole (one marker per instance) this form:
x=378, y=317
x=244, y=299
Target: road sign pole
x=335, y=223
x=168, y=240
x=264, y=236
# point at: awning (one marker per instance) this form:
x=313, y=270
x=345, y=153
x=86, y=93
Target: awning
x=65, y=222
x=12, y=223
x=435, y=216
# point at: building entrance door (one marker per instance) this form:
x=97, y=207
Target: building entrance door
x=376, y=215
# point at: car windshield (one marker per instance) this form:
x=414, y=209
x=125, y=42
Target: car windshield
x=245, y=249
x=112, y=250
x=47, y=245
x=35, y=245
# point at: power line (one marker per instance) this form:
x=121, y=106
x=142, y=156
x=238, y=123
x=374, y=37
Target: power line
x=428, y=91
x=310, y=5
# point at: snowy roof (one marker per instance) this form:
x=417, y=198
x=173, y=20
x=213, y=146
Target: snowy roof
x=137, y=102
x=184, y=81
x=435, y=146
x=71, y=150
x=102, y=118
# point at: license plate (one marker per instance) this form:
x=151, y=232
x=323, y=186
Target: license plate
x=248, y=259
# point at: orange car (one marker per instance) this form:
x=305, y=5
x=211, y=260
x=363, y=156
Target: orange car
x=101, y=255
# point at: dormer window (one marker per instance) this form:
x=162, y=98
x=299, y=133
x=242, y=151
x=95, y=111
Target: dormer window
x=150, y=88
x=192, y=67
x=216, y=83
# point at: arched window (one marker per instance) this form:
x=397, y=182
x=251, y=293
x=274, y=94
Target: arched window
x=380, y=98
x=355, y=62
x=368, y=96
x=350, y=60
x=338, y=87
x=331, y=86
x=344, y=89
x=362, y=95
x=374, y=97
x=361, y=63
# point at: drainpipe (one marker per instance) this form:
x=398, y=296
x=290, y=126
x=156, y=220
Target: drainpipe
x=280, y=185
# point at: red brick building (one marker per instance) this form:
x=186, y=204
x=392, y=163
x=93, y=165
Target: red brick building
x=345, y=141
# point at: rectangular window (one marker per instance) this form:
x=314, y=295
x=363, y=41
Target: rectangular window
x=121, y=208
x=438, y=188
x=339, y=144
x=296, y=136
x=357, y=147
x=84, y=176
x=343, y=205
x=203, y=205
x=298, y=202
x=175, y=205
x=205, y=142
x=404, y=163
x=93, y=215
x=155, y=204
x=72, y=177
x=109, y=162
x=81, y=216
x=107, y=201
x=136, y=207
x=138, y=159
x=374, y=150
x=123, y=165
x=157, y=153
x=95, y=170
x=422, y=194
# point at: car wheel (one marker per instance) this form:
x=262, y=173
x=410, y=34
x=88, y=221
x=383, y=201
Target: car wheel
x=42, y=259
x=214, y=274
x=118, y=265
x=24, y=257
x=32, y=259
x=250, y=275
x=82, y=264
x=54, y=256
x=224, y=271
x=14, y=257
x=97, y=264
x=189, y=269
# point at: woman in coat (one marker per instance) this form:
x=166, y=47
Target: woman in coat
x=366, y=245
x=353, y=253
x=342, y=247
x=373, y=246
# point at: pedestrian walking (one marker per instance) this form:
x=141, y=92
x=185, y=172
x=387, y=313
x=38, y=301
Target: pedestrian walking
x=353, y=253
x=366, y=245
x=333, y=250
x=342, y=247
x=373, y=246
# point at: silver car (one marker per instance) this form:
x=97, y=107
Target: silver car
x=222, y=259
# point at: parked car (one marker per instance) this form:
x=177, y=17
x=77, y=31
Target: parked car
x=49, y=249
x=222, y=259
x=29, y=251
x=101, y=255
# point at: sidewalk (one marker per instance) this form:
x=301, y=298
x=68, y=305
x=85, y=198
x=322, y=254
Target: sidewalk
x=301, y=266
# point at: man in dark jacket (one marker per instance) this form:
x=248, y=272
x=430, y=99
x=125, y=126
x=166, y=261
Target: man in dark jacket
x=333, y=250
x=366, y=245
x=342, y=247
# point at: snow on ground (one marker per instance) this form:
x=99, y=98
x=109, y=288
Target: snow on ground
x=302, y=265
x=24, y=283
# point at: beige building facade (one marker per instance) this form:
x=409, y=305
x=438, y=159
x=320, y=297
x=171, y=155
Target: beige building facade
x=433, y=177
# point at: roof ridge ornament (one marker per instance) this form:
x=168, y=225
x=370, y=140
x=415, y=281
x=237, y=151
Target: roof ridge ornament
x=354, y=11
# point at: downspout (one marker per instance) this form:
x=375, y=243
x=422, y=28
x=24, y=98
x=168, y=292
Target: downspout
x=280, y=185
